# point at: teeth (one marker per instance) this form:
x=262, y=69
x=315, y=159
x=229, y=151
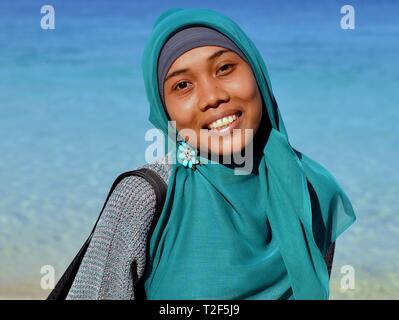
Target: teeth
x=223, y=121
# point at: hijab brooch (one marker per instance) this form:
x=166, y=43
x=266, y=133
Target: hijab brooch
x=187, y=155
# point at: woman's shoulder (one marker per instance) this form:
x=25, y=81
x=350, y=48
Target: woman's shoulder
x=120, y=238
x=135, y=191
x=162, y=166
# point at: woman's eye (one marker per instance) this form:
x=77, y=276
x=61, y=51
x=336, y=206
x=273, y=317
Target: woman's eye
x=181, y=85
x=225, y=67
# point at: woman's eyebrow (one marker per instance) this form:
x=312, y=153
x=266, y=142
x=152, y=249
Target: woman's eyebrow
x=175, y=73
x=211, y=57
x=217, y=54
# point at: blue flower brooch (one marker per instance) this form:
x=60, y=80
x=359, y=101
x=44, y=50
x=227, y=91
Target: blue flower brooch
x=187, y=155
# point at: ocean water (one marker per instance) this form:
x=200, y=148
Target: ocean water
x=73, y=115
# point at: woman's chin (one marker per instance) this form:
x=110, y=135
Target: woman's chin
x=227, y=145
x=224, y=152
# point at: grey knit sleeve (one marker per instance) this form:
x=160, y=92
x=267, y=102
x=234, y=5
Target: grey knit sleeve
x=118, y=240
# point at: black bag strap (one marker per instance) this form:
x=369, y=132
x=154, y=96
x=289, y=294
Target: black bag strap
x=63, y=286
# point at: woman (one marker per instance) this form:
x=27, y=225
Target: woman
x=263, y=228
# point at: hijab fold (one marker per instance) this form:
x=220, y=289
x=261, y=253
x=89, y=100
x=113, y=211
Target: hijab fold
x=226, y=236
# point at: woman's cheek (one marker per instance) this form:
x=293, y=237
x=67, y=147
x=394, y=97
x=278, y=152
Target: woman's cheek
x=186, y=118
x=249, y=90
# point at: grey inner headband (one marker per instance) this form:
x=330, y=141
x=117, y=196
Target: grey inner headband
x=185, y=40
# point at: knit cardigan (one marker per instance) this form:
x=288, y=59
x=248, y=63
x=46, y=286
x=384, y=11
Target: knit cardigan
x=120, y=240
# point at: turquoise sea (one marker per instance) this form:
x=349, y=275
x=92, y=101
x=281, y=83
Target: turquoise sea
x=73, y=115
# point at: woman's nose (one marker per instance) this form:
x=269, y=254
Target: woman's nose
x=211, y=95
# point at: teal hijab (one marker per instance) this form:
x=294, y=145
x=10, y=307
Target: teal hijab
x=226, y=236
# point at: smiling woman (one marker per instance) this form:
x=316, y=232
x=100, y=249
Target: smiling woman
x=266, y=233
x=212, y=90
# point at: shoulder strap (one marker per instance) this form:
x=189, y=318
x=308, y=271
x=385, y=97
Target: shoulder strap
x=63, y=286
x=157, y=183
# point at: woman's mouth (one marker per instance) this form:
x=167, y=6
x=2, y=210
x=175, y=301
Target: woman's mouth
x=225, y=124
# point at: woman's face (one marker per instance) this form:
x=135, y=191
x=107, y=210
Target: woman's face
x=212, y=91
